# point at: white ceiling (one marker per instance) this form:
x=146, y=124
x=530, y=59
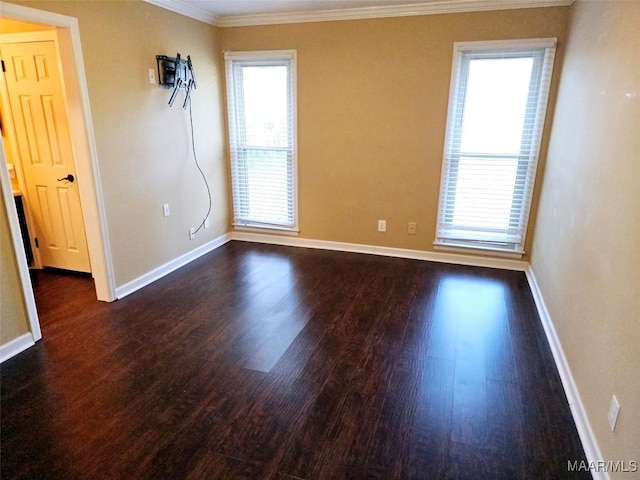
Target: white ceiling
x=226, y=13
x=250, y=7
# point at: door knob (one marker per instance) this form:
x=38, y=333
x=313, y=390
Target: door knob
x=69, y=177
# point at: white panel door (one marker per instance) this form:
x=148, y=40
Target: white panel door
x=39, y=115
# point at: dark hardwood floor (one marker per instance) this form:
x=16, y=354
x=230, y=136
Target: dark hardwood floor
x=268, y=362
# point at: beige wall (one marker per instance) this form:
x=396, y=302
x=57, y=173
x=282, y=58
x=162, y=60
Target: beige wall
x=372, y=108
x=8, y=25
x=586, y=251
x=143, y=147
x=13, y=313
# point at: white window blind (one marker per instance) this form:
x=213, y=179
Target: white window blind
x=497, y=105
x=261, y=98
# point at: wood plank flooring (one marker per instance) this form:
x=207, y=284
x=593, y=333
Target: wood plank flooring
x=268, y=362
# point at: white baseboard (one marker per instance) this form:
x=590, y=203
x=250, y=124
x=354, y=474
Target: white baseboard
x=588, y=439
x=159, y=272
x=163, y=270
x=458, y=259
x=15, y=346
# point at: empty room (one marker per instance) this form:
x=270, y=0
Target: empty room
x=320, y=239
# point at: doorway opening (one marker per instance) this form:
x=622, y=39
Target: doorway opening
x=40, y=155
x=36, y=23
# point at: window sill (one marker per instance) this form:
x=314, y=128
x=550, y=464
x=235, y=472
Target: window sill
x=269, y=230
x=478, y=250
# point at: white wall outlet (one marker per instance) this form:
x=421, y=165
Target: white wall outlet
x=614, y=410
x=192, y=233
x=382, y=225
x=206, y=222
x=165, y=210
x=411, y=228
x=152, y=76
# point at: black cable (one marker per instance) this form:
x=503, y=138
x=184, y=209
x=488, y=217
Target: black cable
x=195, y=158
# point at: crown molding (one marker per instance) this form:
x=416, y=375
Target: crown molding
x=188, y=9
x=192, y=9
x=429, y=8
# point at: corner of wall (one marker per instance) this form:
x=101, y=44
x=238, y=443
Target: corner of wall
x=587, y=437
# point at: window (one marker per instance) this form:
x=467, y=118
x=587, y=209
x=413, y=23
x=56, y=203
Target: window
x=261, y=96
x=497, y=105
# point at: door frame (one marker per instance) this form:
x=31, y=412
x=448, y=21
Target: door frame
x=83, y=140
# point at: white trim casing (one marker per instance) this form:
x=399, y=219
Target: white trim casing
x=547, y=42
x=163, y=270
x=16, y=346
x=275, y=55
x=477, y=251
x=18, y=248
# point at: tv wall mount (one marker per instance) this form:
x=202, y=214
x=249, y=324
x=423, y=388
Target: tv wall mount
x=176, y=73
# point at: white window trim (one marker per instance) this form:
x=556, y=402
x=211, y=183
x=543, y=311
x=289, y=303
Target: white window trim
x=506, y=44
x=479, y=250
x=268, y=55
x=261, y=55
x=459, y=48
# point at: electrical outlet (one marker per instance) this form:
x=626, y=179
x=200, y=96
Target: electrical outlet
x=206, y=222
x=614, y=410
x=382, y=225
x=165, y=210
x=411, y=228
x=192, y=233
x=152, y=76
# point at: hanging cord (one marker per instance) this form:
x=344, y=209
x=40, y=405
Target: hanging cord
x=195, y=158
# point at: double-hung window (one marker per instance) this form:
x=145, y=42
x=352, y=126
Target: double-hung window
x=261, y=100
x=497, y=106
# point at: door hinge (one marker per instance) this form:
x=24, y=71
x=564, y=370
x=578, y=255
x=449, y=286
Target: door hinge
x=35, y=240
x=3, y=68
